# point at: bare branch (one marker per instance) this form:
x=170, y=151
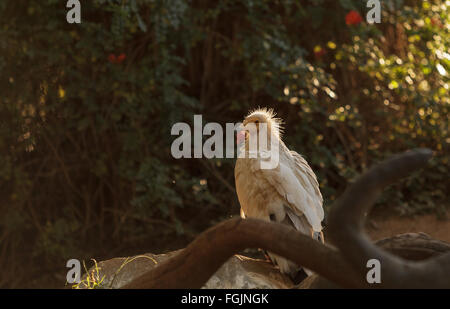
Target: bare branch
x=194, y=265
x=346, y=221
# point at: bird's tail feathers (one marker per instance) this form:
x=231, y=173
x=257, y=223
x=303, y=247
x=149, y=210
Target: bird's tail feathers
x=302, y=225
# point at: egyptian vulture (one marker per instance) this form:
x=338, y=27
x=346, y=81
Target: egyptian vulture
x=288, y=193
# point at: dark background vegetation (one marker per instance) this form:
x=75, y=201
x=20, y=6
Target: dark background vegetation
x=86, y=169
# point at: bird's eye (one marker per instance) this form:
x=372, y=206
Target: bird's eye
x=272, y=217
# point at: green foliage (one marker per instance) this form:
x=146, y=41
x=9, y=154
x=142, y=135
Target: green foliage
x=91, y=280
x=85, y=141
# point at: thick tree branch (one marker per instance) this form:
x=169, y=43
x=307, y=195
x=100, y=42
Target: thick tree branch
x=347, y=218
x=193, y=266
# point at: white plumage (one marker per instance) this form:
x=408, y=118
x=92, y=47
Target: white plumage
x=288, y=193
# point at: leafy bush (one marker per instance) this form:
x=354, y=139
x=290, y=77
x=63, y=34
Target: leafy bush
x=86, y=112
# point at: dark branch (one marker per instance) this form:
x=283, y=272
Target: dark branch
x=193, y=266
x=347, y=218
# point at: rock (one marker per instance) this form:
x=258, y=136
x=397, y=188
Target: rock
x=239, y=272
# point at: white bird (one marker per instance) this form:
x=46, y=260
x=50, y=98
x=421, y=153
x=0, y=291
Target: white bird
x=288, y=193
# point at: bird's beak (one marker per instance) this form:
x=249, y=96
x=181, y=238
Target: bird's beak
x=240, y=136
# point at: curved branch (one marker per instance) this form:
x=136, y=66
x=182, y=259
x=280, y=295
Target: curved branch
x=193, y=266
x=346, y=221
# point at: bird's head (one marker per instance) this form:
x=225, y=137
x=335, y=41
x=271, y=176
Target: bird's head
x=254, y=121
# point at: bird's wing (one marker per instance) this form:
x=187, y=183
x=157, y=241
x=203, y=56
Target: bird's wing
x=295, y=188
x=304, y=171
x=299, y=222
